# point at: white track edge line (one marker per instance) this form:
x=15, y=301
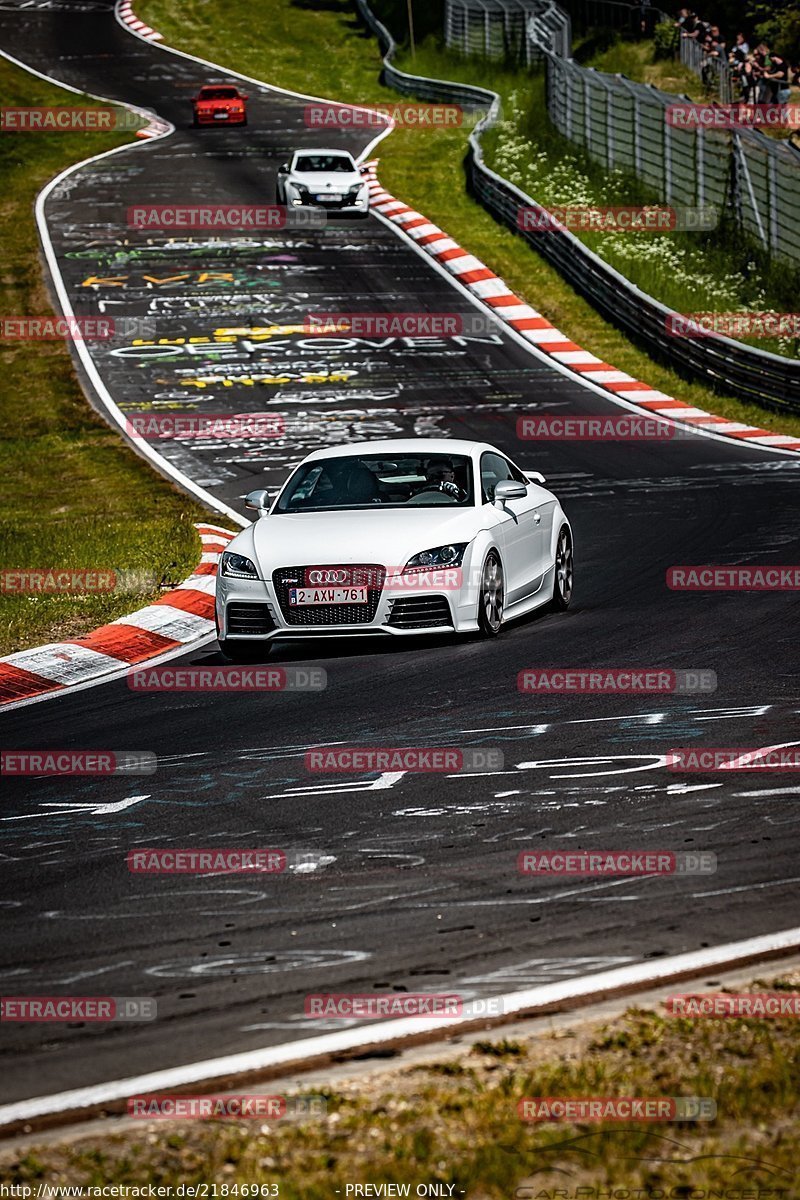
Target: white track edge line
x=645, y=974
x=106, y=399
x=102, y=391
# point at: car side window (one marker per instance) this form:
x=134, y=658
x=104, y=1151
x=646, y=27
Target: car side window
x=518, y=475
x=494, y=468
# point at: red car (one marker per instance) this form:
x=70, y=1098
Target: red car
x=219, y=103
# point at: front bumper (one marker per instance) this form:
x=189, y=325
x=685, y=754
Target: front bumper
x=295, y=199
x=211, y=118
x=258, y=610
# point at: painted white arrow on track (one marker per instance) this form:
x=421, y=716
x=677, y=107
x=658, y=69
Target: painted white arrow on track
x=62, y=808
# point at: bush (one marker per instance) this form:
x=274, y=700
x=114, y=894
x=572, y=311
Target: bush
x=666, y=38
x=782, y=33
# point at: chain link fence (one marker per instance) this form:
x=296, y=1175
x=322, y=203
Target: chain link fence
x=623, y=125
x=508, y=30
x=719, y=362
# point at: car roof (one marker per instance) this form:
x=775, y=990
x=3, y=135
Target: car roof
x=220, y=83
x=342, y=151
x=391, y=446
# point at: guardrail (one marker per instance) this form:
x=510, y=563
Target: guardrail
x=744, y=371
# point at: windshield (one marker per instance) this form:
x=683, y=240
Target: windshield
x=367, y=480
x=324, y=162
x=218, y=93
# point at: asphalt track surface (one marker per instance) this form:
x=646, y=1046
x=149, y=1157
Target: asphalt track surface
x=414, y=883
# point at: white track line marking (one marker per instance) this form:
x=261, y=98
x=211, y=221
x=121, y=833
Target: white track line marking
x=514, y=1004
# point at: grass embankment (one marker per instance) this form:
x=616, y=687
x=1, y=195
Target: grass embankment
x=455, y=1122
x=320, y=47
x=637, y=61
x=74, y=496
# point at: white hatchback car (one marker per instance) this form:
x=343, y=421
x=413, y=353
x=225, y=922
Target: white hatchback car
x=411, y=536
x=327, y=179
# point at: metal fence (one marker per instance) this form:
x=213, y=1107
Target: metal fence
x=638, y=20
x=729, y=366
x=624, y=125
x=715, y=73
x=511, y=30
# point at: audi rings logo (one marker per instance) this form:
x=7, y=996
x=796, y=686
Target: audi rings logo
x=325, y=576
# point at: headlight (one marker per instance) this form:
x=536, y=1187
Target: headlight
x=236, y=566
x=356, y=189
x=451, y=555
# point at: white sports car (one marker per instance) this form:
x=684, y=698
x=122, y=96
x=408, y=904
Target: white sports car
x=419, y=535
x=327, y=179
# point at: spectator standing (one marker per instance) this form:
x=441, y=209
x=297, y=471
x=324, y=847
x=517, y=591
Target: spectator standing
x=762, y=62
x=777, y=79
x=740, y=52
x=749, y=81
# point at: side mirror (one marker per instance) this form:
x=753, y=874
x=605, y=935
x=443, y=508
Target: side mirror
x=244, y=95
x=283, y=169
x=258, y=500
x=509, y=489
x=535, y=476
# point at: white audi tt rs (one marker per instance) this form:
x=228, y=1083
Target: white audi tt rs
x=327, y=179
x=421, y=535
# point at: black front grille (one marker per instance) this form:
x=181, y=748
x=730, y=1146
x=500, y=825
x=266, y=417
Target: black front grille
x=249, y=620
x=330, y=614
x=420, y=612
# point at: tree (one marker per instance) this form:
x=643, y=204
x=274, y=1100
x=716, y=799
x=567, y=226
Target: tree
x=778, y=24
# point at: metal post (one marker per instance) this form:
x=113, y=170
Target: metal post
x=700, y=166
x=740, y=157
x=610, y=127
x=411, y=28
x=667, y=162
x=772, y=159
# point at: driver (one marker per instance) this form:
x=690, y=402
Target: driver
x=440, y=476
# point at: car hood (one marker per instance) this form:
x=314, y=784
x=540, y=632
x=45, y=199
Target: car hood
x=327, y=181
x=388, y=537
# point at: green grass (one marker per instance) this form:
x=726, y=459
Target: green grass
x=73, y=494
x=455, y=1122
x=636, y=61
x=293, y=44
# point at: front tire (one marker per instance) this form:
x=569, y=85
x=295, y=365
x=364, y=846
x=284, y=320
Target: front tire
x=492, y=596
x=563, y=574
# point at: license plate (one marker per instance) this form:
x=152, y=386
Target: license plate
x=220, y=116
x=331, y=595
x=330, y=196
